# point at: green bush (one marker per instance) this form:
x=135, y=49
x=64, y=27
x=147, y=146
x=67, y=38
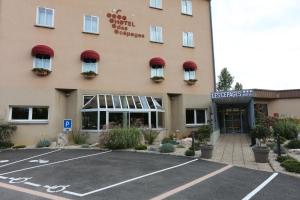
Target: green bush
x=261, y=132
x=189, y=153
x=166, y=148
x=78, y=138
x=123, y=138
x=204, y=133
x=169, y=140
x=150, y=136
x=293, y=144
x=180, y=146
x=19, y=146
x=43, y=143
x=286, y=128
x=6, y=145
x=284, y=158
x=141, y=147
x=291, y=166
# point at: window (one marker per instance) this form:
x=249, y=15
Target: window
x=89, y=66
x=195, y=116
x=45, y=17
x=89, y=120
x=156, y=34
x=188, y=39
x=35, y=114
x=42, y=62
x=189, y=75
x=186, y=7
x=157, y=72
x=156, y=4
x=91, y=24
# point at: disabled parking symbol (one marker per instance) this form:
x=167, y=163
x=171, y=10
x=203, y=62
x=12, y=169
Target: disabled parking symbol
x=68, y=124
x=56, y=188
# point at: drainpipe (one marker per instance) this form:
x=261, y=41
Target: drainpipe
x=212, y=46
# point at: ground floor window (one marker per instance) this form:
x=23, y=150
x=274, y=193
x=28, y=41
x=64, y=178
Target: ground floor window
x=101, y=112
x=195, y=116
x=27, y=114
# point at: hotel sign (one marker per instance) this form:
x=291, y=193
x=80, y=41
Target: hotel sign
x=232, y=94
x=122, y=25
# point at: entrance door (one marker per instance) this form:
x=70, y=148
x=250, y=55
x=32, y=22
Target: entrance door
x=233, y=122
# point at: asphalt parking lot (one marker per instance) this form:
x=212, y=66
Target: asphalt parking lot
x=94, y=174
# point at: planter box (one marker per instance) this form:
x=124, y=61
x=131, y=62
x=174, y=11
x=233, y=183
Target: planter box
x=191, y=81
x=261, y=154
x=41, y=71
x=89, y=75
x=158, y=79
x=206, y=151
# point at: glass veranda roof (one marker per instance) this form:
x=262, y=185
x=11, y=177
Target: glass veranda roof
x=122, y=103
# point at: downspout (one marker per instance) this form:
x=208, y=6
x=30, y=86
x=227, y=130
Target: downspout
x=212, y=46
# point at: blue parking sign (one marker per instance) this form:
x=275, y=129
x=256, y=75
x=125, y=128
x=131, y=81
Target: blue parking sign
x=67, y=124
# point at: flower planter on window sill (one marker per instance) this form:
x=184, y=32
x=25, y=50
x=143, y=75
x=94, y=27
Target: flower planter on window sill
x=41, y=71
x=89, y=75
x=158, y=79
x=191, y=81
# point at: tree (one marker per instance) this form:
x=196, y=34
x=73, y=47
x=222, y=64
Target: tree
x=238, y=86
x=225, y=80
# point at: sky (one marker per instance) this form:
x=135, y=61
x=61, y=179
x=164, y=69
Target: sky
x=258, y=41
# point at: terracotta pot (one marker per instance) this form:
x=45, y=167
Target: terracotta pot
x=206, y=151
x=261, y=154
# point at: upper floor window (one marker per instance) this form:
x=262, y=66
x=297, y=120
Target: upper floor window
x=156, y=34
x=188, y=39
x=186, y=7
x=45, y=17
x=157, y=72
x=156, y=4
x=91, y=24
x=89, y=66
x=189, y=75
x=42, y=62
x=90, y=60
x=23, y=113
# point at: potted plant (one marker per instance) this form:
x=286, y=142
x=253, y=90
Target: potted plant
x=204, y=133
x=41, y=71
x=157, y=79
x=191, y=81
x=89, y=74
x=261, y=150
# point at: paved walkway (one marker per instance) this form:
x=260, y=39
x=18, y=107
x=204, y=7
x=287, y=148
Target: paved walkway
x=234, y=149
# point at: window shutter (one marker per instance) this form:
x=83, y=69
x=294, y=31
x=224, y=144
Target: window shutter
x=185, y=39
x=160, y=34
x=189, y=7
x=191, y=39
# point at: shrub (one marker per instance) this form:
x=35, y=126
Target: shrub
x=150, y=136
x=78, y=138
x=293, y=144
x=166, y=148
x=123, y=138
x=141, y=147
x=284, y=158
x=85, y=146
x=204, y=133
x=6, y=145
x=6, y=131
x=169, y=140
x=19, y=146
x=180, y=146
x=189, y=152
x=43, y=143
x=282, y=140
x=282, y=149
x=286, y=128
x=291, y=166
x=261, y=132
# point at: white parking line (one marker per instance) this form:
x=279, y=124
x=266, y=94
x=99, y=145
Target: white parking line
x=30, y=158
x=32, y=184
x=3, y=177
x=127, y=181
x=260, y=187
x=62, y=161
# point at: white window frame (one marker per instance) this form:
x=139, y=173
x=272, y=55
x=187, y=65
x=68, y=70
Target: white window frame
x=82, y=67
x=188, y=39
x=29, y=120
x=38, y=15
x=92, y=16
x=37, y=67
x=157, y=72
x=195, y=117
x=155, y=4
x=187, y=7
x=187, y=75
x=156, y=34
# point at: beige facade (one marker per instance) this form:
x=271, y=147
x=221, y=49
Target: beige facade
x=123, y=68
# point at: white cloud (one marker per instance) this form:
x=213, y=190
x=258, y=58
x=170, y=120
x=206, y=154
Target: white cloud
x=259, y=41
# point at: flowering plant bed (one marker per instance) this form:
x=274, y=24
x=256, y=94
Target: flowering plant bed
x=89, y=74
x=41, y=71
x=191, y=81
x=157, y=79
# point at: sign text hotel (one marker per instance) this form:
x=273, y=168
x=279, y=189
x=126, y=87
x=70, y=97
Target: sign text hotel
x=232, y=94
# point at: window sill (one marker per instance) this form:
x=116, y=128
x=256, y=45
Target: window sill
x=42, y=26
x=29, y=122
x=189, y=47
x=156, y=42
x=194, y=125
x=155, y=8
x=90, y=33
x=186, y=14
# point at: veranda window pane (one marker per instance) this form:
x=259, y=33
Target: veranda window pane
x=139, y=120
x=130, y=101
x=153, y=120
x=117, y=102
x=144, y=102
x=137, y=102
x=158, y=105
x=92, y=104
x=118, y=120
x=109, y=101
x=20, y=113
x=102, y=124
x=102, y=101
x=124, y=102
x=160, y=119
x=86, y=99
x=150, y=102
x=89, y=120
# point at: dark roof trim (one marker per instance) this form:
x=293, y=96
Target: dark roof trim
x=276, y=94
